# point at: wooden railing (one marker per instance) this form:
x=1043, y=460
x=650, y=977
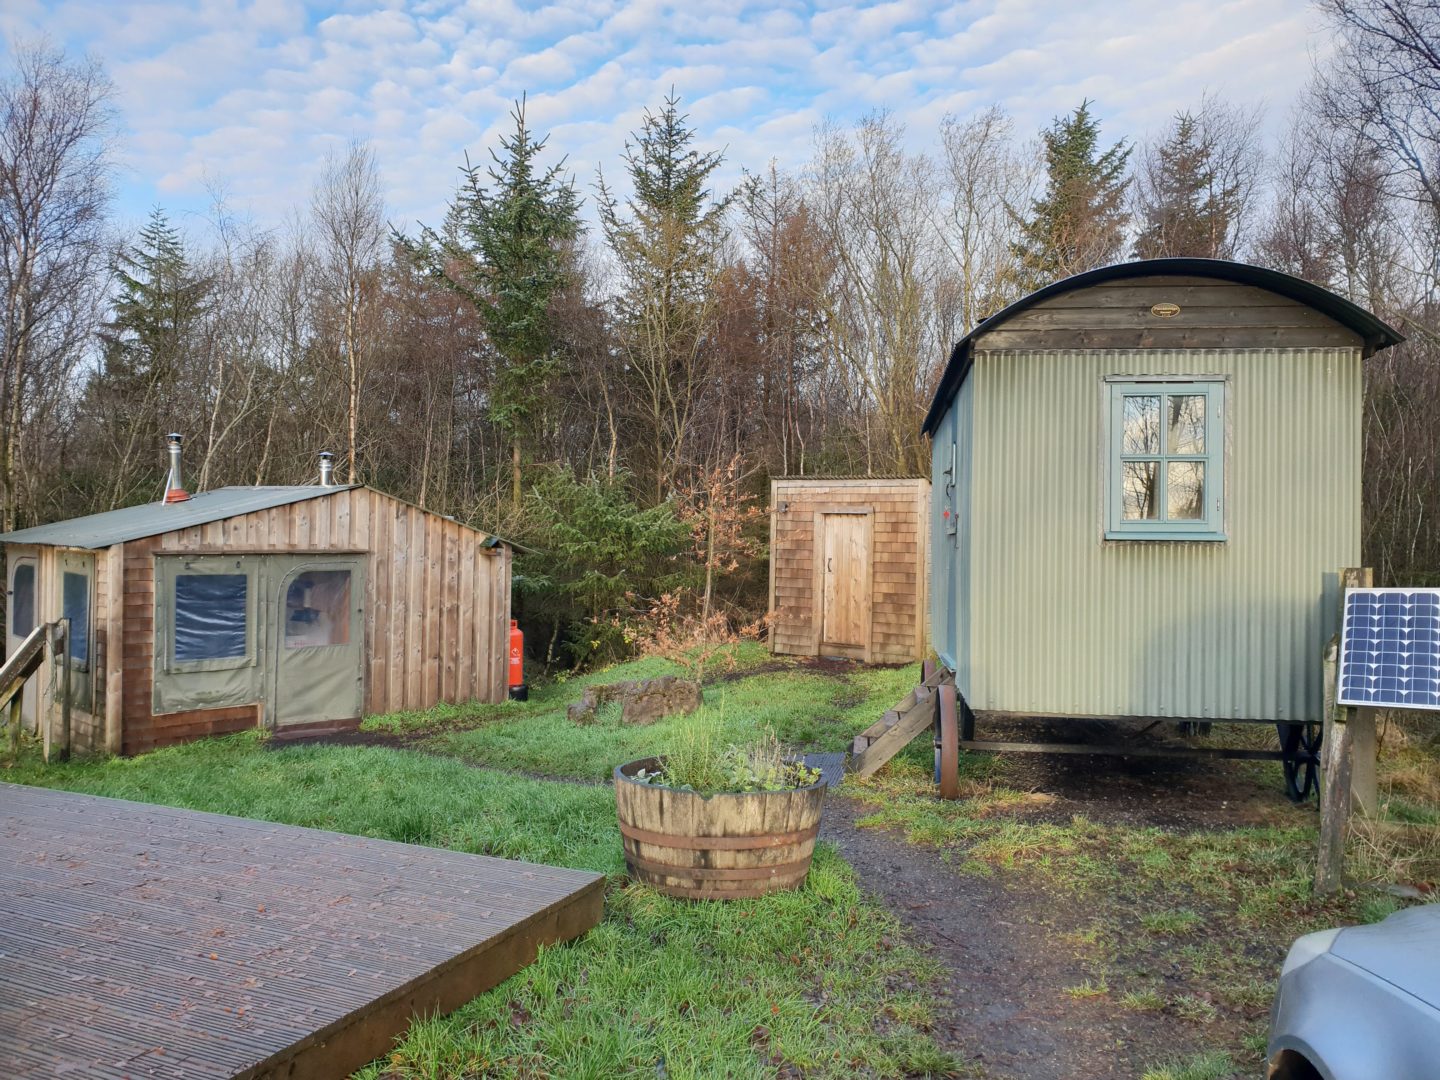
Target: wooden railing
x=18, y=668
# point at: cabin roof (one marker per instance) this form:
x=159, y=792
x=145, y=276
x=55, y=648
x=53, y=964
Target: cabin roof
x=1373, y=331
x=153, y=518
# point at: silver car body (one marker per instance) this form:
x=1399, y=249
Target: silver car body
x=1361, y=1003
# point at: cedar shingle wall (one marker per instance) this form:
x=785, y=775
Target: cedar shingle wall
x=898, y=574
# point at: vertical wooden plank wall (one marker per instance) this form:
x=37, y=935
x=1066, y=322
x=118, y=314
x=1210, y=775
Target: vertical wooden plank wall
x=899, y=574
x=437, y=606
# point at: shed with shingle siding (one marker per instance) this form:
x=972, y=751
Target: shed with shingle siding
x=848, y=567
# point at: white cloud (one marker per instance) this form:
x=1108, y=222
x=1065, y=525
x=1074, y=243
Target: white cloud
x=254, y=92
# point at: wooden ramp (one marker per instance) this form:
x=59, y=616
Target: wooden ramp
x=146, y=941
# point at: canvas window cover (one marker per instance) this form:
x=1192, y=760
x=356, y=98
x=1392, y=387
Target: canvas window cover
x=75, y=606
x=22, y=600
x=211, y=617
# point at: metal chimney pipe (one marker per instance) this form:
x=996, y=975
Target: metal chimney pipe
x=327, y=469
x=174, y=490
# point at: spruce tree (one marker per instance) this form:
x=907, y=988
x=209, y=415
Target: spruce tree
x=509, y=248
x=1079, y=221
x=1186, y=207
x=666, y=239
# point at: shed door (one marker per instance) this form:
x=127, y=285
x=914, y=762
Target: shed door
x=845, y=577
x=320, y=646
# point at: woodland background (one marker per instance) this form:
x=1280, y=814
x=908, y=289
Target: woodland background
x=613, y=384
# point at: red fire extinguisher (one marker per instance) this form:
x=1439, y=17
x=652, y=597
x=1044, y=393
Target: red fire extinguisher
x=518, y=690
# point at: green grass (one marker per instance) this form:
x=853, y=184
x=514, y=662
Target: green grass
x=804, y=709
x=1213, y=1065
x=818, y=981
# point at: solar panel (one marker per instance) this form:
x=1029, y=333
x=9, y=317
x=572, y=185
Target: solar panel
x=1390, y=648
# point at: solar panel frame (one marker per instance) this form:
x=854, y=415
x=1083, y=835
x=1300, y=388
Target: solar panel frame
x=1390, y=649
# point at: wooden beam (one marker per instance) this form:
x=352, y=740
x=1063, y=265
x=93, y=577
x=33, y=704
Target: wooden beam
x=1335, y=782
x=1114, y=750
x=919, y=718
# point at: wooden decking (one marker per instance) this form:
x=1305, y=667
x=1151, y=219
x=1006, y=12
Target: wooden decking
x=145, y=941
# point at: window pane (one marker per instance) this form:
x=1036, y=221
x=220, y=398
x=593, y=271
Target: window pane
x=210, y=612
x=317, y=609
x=22, y=603
x=1141, y=425
x=1186, y=434
x=75, y=606
x=1185, y=490
x=1138, y=502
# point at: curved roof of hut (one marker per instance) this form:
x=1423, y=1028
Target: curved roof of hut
x=1373, y=331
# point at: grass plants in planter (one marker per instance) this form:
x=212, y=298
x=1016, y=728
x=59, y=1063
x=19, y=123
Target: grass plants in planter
x=706, y=821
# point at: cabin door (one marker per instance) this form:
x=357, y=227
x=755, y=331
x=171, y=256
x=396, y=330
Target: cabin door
x=318, y=640
x=844, y=571
x=19, y=624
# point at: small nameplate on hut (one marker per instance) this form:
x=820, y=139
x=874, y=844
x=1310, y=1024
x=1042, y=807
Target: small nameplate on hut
x=1165, y=310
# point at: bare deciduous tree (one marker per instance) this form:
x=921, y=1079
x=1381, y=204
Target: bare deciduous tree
x=55, y=125
x=349, y=214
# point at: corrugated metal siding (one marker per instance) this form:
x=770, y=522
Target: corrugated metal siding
x=1065, y=623
x=950, y=597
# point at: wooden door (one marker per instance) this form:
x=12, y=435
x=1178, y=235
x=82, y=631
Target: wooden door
x=845, y=584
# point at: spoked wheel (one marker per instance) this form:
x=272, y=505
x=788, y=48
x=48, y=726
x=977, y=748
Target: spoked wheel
x=947, y=746
x=1300, y=743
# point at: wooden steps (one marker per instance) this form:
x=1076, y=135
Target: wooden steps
x=885, y=738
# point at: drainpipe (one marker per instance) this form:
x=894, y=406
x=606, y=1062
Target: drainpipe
x=174, y=490
x=327, y=469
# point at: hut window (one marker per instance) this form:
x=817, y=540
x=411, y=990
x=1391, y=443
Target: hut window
x=210, y=616
x=75, y=606
x=22, y=600
x=1166, y=460
x=317, y=609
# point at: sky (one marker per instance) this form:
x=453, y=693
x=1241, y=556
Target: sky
x=246, y=99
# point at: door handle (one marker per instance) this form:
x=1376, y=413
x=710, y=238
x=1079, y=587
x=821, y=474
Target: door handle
x=829, y=568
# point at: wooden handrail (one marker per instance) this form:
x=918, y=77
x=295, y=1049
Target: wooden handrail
x=23, y=663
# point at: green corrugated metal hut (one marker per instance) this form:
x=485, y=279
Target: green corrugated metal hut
x=1145, y=478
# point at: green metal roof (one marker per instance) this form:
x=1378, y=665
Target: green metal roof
x=151, y=519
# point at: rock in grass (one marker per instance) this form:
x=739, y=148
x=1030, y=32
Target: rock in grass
x=642, y=701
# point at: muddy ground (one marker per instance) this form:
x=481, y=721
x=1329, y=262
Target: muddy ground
x=1001, y=937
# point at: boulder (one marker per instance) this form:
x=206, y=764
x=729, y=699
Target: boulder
x=641, y=702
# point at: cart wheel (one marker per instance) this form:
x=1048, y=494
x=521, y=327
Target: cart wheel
x=949, y=749
x=1300, y=743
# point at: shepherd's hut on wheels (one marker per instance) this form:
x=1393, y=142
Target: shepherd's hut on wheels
x=297, y=609
x=1146, y=478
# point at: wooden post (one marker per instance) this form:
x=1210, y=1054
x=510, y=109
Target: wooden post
x=1364, y=788
x=64, y=626
x=15, y=721
x=1334, y=781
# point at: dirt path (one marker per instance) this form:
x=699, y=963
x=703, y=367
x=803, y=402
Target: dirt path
x=1003, y=1004
x=1003, y=940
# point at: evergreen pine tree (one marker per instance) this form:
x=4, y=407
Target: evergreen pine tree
x=666, y=239
x=509, y=248
x=1185, y=207
x=1079, y=221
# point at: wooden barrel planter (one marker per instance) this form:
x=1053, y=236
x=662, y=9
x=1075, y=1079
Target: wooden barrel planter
x=724, y=846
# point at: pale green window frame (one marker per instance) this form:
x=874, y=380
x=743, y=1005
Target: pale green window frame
x=1165, y=463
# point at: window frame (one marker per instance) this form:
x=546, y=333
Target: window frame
x=169, y=570
x=1213, y=526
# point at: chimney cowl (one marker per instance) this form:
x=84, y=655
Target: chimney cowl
x=327, y=469
x=174, y=489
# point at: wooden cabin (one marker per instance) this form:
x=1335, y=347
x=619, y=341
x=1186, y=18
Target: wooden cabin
x=848, y=567
x=298, y=609
x=1147, y=477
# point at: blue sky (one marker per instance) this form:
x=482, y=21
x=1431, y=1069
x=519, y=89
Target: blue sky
x=248, y=97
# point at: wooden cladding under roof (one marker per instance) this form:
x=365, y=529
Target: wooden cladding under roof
x=1212, y=313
